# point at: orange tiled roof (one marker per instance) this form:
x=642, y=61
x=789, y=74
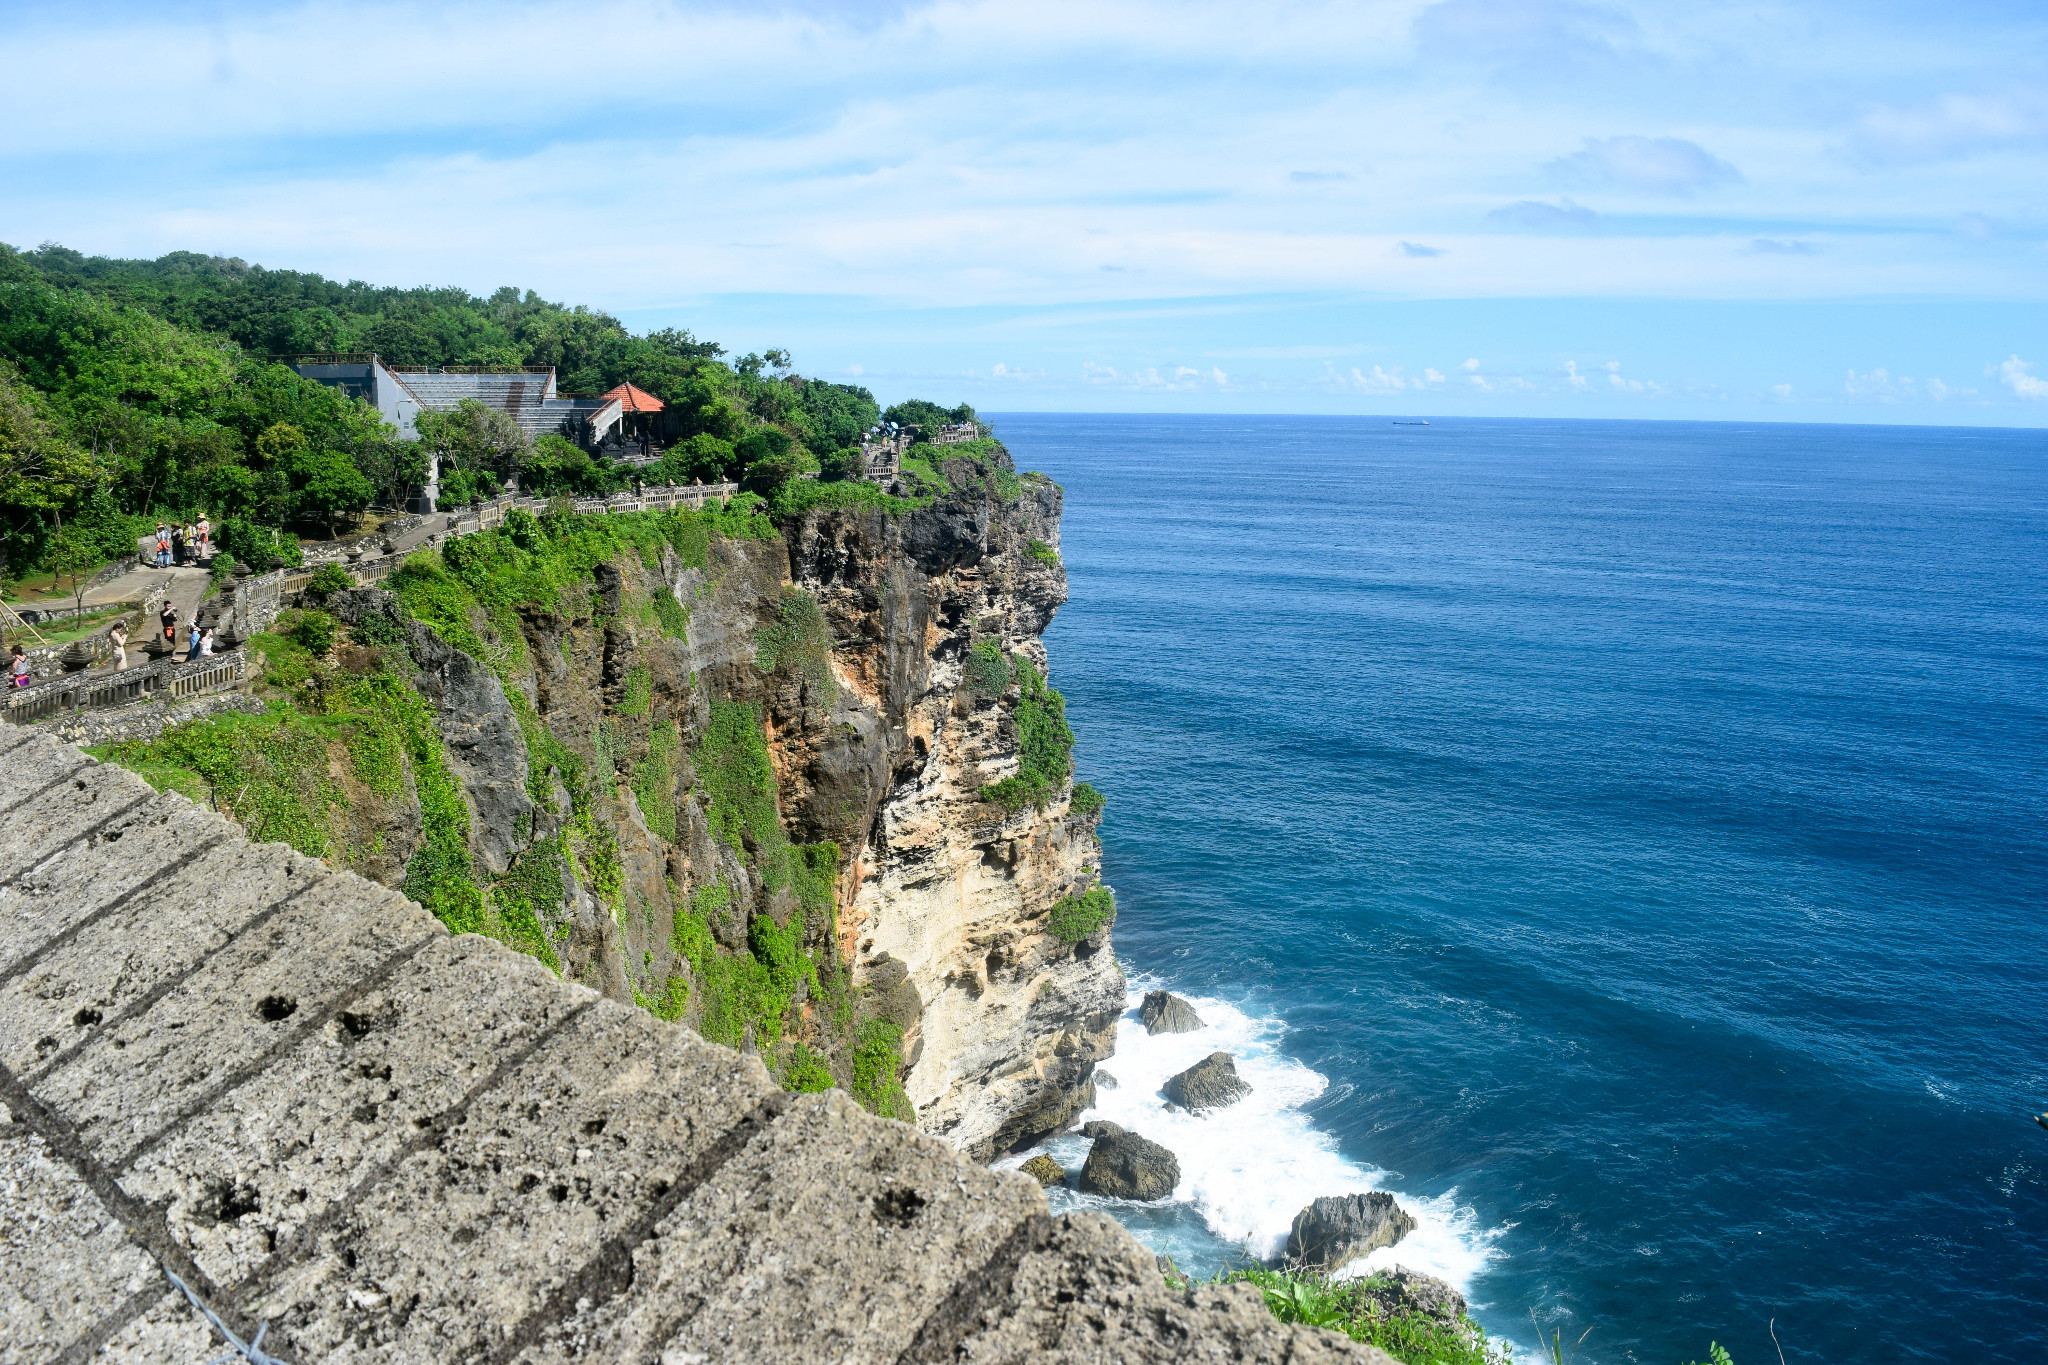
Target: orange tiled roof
x=634, y=399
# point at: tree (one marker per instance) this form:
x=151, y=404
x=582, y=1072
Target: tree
x=329, y=487
x=73, y=554
x=701, y=459
x=474, y=436
x=42, y=473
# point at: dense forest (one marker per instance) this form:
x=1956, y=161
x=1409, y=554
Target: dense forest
x=132, y=390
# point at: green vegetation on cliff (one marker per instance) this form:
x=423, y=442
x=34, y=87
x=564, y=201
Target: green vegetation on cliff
x=1360, y=1310
x=1076, y=917
x=1045, y=745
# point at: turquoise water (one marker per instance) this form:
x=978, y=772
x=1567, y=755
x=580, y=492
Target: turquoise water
x=1624, y=841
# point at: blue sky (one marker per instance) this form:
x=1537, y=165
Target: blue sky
x=1806, y=212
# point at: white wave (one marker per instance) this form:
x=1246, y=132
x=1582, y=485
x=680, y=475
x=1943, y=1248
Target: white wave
x=1246, y=1170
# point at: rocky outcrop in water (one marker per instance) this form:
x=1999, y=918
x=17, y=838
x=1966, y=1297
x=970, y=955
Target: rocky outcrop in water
x=1124, y=1165
x=1165, y=1012
x=1212, y=1083
x=1044, y=1170
x=1338, y=1228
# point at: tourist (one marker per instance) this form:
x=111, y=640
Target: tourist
x=178, y=545
x=119, y=636
x=206, y=643
x=205, y=538
x=20, y=667
x=192, y=644
x=163, y=546
x=170, y=620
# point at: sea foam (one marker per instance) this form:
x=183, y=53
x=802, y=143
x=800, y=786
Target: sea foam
x=1246, y=1170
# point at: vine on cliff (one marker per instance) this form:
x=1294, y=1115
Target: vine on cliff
x=798, y=638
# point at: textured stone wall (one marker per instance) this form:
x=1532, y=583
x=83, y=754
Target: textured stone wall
x=295, y=1090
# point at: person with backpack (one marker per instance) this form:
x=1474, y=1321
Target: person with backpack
x=178, y=545
x=163, y=546
x=170, y=620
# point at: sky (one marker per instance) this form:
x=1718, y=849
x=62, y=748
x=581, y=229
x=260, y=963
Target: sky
x=1746, y=211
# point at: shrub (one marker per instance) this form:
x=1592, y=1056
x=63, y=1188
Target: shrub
x=805, y=1072
x=1045, y=746
x=1076, y=917
x=1044, y=553
x=331, y=579
x=312, y=631
x=257, y=545
x=1087, y=800
x=988, y=671
x=877, y=1060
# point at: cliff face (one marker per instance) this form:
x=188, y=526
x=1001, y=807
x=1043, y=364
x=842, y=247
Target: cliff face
x=738, y=779
x=948, y=893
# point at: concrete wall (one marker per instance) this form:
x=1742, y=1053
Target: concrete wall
x=297, y=1092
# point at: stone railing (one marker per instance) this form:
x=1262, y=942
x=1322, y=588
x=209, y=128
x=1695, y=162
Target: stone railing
x=239, y=1078
x=171, y=679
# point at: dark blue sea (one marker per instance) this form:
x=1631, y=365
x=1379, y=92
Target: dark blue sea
x=1622, y=841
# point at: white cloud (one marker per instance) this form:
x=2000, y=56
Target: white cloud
x=1949, y=128
x=856, y=370
x=1652, y=165
x=2018, y=375
x=1379, y=381
x=1418, y=249
x=1173, y=379
x=1534, y=215
x=1470, y=365
x=1772, y=246
x=1623, y=384
x=1572, y=375
x=1879, y=384
x=1784, y=392
x=1432, y=376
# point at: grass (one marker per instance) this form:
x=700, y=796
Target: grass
x=798, y=638
x=1044, y=553
x=1351, y=1307
x=654, y=780
x=64, y=632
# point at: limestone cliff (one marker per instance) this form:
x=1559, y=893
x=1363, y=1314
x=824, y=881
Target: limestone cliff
x=736, y=772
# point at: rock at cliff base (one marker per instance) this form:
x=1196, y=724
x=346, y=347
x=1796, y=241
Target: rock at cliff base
x=1165, y=1012
x=1338, y=1228
x=1401, y=1290
x=1210, y=1083
x=1044, y=1170
x=1123, y=1165
x=1105, y=1080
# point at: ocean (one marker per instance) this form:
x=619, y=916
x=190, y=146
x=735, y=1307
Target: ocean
x=1622, y=841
